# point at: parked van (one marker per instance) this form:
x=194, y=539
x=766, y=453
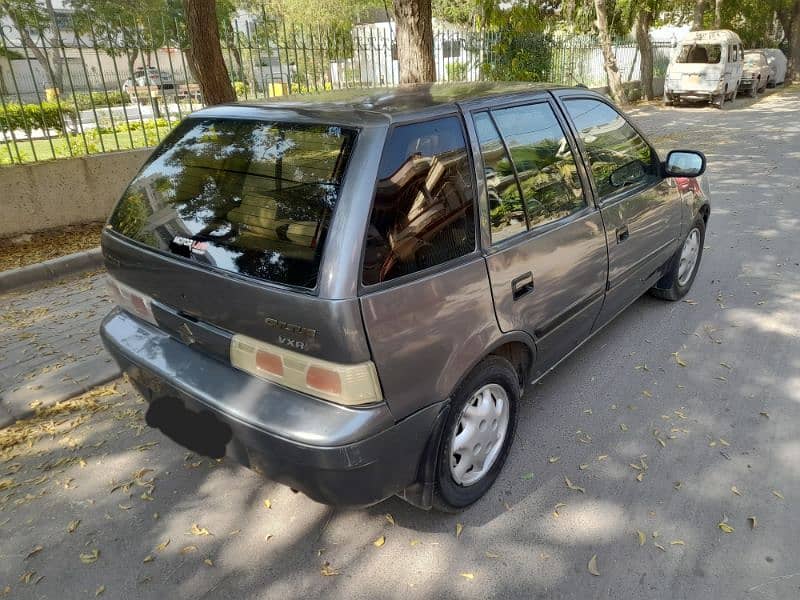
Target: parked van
x=349, y=295
x=777, y=65
x=707, y=67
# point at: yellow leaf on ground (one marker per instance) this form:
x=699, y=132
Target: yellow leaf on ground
x=660, y=547
x=389, y=518
x=592, y=566
x=553, y=459
x=735, y=490
x=677, y=543
x=209, y=562
x=149, y=558
x=602, y=457
x=469, y=576
x=725, y=527
x=327, y=570
x=163, y=545
x=73, y=525
x=642, y=537
x=753, y=522
x=197, y=530
x=100, y=590
x=188, y=549
x=777, y=494
x=459, y=529
x=572, y=486
x=623, y=427
x=35, y=551
x=90, y=557
x=267, y=503
x=379, y=542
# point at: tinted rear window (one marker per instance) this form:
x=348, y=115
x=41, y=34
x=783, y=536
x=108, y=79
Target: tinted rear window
x=250, y=197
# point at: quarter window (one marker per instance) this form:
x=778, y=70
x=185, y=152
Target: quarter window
x=618, y=155
x=423, y=213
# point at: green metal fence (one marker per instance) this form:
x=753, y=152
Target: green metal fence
x=91, y=87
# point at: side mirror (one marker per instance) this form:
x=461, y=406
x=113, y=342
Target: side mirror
x=685, y=163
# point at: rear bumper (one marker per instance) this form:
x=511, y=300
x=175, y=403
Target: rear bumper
x=334, y=454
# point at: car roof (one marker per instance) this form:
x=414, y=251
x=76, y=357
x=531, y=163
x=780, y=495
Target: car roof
x=376, y=106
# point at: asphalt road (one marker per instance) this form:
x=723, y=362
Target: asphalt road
x=725, y=409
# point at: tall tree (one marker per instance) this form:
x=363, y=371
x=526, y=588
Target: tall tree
x=699, y=11
x=788, y=12
x=717, y=14
x=205, y=51
x=34, y=20
x=414, y=41
x=644, y=19
x=609, y=60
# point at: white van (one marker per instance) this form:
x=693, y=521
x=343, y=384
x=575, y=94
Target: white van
x=707, y=67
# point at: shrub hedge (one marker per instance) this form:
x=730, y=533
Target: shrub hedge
x=47, y=115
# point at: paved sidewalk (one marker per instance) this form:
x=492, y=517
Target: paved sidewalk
x=49, y=348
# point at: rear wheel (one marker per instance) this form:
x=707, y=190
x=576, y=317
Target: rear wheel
x=478, y=434
x=682, y=267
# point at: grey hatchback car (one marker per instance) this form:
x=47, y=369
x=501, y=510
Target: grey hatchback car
x=349, y=294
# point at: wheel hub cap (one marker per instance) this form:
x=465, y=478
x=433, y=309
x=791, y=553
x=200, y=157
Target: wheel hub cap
x=480, y=433
x=689, y=254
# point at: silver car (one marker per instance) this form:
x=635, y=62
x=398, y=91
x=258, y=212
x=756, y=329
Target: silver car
x=350, y=294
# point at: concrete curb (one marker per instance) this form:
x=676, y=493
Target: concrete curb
x=50, y=270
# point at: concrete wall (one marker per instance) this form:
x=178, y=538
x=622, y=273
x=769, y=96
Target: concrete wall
x=65, y=191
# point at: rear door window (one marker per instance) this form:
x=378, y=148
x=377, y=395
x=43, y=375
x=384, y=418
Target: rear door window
x=246, y=196
x=423, y=213
x=539, y=184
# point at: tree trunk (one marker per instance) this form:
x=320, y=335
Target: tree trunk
x=794, y=42
x=131, y=54
x=717, y=14
x=414, y=41
x=642, y=27
x=609, y=60
x=205, y=52
x=699, y=10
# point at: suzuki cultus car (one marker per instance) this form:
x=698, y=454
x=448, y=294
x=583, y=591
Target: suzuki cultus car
x=350, y=294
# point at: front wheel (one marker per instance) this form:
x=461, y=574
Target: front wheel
x=478, y=434
x=682, y=267
x=754, y=89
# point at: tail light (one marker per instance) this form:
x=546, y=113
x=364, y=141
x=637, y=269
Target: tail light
x=351, y=385
x=129, y=299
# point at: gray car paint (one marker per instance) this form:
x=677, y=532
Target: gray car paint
x=427, y=331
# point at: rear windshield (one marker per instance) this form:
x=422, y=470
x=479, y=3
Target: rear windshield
x=249, y=197
x=700, y=53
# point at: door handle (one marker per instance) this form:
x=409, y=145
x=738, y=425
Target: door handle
x=622, y=234
x=522, y=285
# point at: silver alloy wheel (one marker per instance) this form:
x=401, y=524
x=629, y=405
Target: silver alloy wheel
x=480, y=433
x=689, y=254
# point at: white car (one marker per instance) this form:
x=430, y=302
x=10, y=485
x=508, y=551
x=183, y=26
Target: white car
x=149, y=76
x=755, y=72
x=777, y=66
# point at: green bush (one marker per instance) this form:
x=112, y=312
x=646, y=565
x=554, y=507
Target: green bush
x=456, y=71
x=240, y=89
x=84, y=100
x=47, y=115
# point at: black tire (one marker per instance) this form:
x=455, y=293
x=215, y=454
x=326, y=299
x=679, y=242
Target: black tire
x=720, y=100
x=450, y=496
x=669, y=287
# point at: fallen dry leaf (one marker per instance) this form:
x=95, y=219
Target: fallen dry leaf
x=553, y=459
x=389, y=518
x=197, y=530
x=489, y=554
x=659, y=546
x=735, y=490
x=459, y=529
x=642, y=537
x=149, y=558
x=34, y=552
x=90, y=557
x=379, y=542
x=327, y=570
x=556, y=514
x=753, y=522
x=163, y=545
x=469, y=576
x=267, y=503
x=572, y=486
x=99, y=591
x=209, y=562
x=73, y=525
x=592, y=566
x=777, y=494
x=679, y=360
x=527, y=477
x=677, y=543
x=725, y=526
x=188, y=549
x=26, y=577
